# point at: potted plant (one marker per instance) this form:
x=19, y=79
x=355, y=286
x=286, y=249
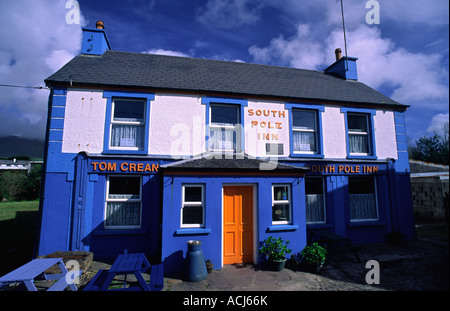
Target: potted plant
x=275, y=251
x=209, y=266
x=312, y=258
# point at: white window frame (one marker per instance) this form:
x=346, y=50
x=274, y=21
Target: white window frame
x=305, y=130
x=236, y=128
x=282, y=202
x=135, y=123
x=323, y=198
x=366, y=134
x=376, y=202
x=201, y=203
x=108, y=200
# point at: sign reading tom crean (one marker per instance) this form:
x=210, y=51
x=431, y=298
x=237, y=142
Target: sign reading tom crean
x=126, y=166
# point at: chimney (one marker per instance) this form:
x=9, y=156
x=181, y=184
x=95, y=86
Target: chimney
x=95, y=41
x=338, y=52
x=344, y=67
x=100, y=25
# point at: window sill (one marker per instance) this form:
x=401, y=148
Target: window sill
x=366, y=223
x=106, y=232
x=306, y=155
x=193, y=231
x=318, y=225
x=140, y=152
x=275, y=228
x=362, y=157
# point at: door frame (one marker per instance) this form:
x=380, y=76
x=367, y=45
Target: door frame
x=255, y=223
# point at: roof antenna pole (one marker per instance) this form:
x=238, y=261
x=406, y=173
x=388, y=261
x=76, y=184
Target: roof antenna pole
x=345, y=39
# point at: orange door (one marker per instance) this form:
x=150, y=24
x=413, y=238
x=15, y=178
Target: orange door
x=237, y=224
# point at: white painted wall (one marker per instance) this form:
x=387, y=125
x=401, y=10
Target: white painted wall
x=271, y=114
x=334, y=136
x=178, y=124
x=385, y=138
x=84, y=123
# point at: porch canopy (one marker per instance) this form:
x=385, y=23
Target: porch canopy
x=211, y=163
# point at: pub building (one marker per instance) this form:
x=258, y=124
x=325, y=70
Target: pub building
x=146, y=152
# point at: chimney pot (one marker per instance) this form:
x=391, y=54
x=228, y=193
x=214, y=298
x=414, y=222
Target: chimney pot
x=100, y=25
x=338, y=54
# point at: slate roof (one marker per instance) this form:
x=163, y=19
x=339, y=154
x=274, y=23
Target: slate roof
x=425, y=167
x=171, y=73
x=231, y=163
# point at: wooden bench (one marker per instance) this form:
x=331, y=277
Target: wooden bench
x=97, y=281
x=338, y=241
x=129, y=264
x=35, y=270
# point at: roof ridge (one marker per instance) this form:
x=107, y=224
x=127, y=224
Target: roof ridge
x=215, y=60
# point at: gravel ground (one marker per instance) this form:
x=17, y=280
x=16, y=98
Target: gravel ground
x=420, y=265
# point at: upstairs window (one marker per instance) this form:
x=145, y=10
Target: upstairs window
x=304, y=131
x=358, y=134
x=224, y=128
x=128, y=124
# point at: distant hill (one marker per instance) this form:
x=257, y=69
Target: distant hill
x=17, y=146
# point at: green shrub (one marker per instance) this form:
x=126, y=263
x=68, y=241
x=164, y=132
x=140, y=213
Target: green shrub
x=274, y=249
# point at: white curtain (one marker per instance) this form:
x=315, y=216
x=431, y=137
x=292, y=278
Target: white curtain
x=221, y=138
x=123, y=213
x=123, y=135
x=304, y=141
x=363, y=206
x=358, y=144
x=315, y=211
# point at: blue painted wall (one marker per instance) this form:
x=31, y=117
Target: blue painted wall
x=174, y=239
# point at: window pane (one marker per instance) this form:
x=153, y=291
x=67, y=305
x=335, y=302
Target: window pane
x=280, y=212
x=358, y=143
x=357, y=123
x=280, y=193
x=192, y=215
x=223, y=138
x=304, y=119
x=359, y=185
x=362, y=198
x=124, y=187
x=192, y=194
x=315, y=209
x=304, y=141
x=123, y=135
x=128, y=110
x=123, y=213
x=224, y=115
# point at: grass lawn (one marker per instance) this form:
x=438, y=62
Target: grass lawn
x=18, y=224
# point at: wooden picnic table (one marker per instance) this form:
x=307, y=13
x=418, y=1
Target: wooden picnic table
x=125, y=264
x=35, y=269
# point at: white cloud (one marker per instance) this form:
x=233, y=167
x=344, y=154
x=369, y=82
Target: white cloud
x=166, y=52
x=228, y=14
x=437, y=123
x=300, y=51
x=35, y=42
x=412, y=77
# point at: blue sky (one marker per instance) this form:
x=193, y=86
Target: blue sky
x=405, y=56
